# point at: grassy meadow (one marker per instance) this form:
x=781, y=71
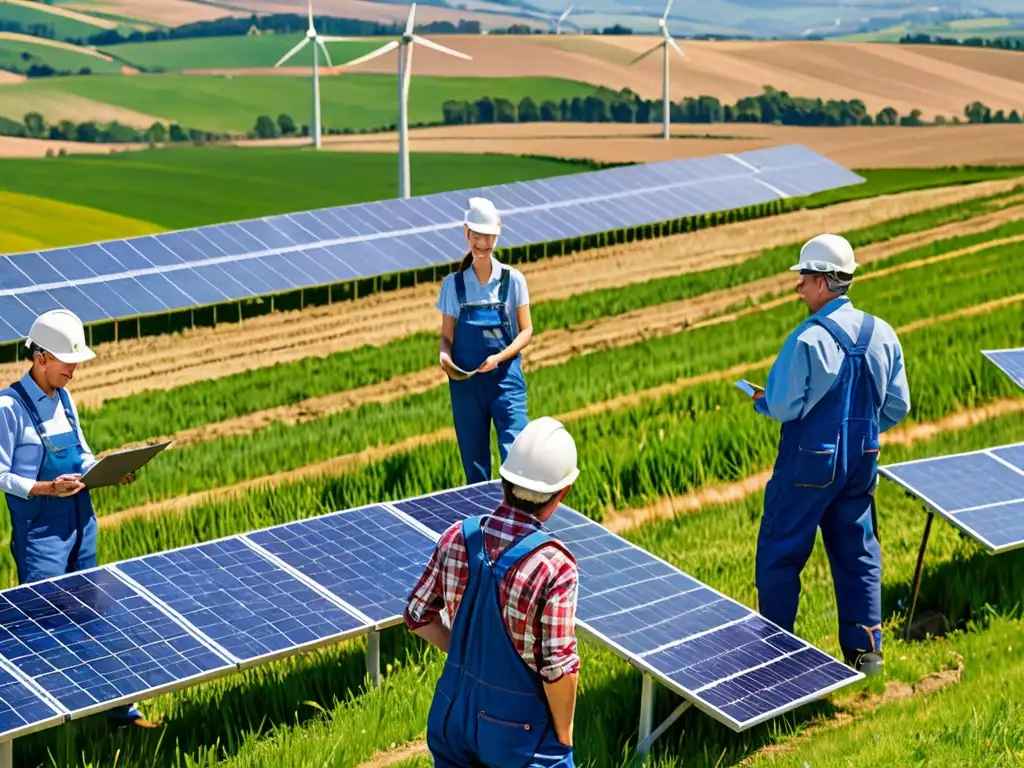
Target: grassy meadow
x=222, y=103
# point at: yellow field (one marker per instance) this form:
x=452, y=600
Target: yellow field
x=28, y=224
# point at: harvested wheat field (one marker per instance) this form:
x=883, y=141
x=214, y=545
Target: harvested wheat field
x=6, y=78
x=854, y=146
x=383, y=12
x=171, y=13
x=17, y=147
x=879, y=74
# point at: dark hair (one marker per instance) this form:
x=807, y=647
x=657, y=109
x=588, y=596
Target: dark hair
x=34, y=349
x=466, y=261
x=529, y=507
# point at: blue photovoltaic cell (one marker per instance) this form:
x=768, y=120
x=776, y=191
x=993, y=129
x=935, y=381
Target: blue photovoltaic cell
x=981, y=492
x=1010, y=361
x=88, y=639
x=21, y=710
x=733, y=662
x=368, y=557
x=240, y=599
x=386, y=236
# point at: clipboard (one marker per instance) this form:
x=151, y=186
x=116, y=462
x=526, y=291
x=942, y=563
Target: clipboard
x=111, y=468
x=748, y=389
x=446, y=361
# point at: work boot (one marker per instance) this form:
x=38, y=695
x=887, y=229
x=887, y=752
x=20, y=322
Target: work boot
x=870, y=663
x=120, y=717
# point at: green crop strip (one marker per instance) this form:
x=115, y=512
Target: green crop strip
x=232, y=718
x=601, y=376
x=138, y=417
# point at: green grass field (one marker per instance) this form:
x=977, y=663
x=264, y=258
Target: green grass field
x=232, y=52
x=21, y=55
x=63, y=28
x=352, y=101
x=184, y=187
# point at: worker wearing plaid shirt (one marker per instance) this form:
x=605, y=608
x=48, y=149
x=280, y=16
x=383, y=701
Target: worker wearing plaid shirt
x=507, y=694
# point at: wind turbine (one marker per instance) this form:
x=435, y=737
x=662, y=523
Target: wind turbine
x=404, y=43
x=664, y=45
x=318, y=44
x=558, y=23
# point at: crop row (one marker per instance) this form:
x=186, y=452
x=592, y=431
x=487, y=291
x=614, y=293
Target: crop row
x=144, y=415
x=581, y=381
x=230, y=718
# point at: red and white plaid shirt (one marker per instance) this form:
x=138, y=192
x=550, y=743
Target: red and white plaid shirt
x=537, y=596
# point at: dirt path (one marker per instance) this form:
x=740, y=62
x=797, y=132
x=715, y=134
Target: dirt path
x=557, y=346
x=397, y=754
x=165, y=362
x=340, y=464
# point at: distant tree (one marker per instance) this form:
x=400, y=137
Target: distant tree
x=286, y=124
x=528, y=111
x=484, y=110
x=265, y=128
x=999, y=117
x=89, y=132
x=457, y=112
x=548, y=111
x=10, y=127
x=35, y=125
x=176, y=133
x=156, y=133
x=504, y=110
x=887, y=116
x=914, y=118
x=1014, y=116
x=939, y=120
x=976, y=112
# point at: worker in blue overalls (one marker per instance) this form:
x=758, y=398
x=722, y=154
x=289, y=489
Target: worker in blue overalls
x=43, y=454
x=485, y=325
x=838, y=383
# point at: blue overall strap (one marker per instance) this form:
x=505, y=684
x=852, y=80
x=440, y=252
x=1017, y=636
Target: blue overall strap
x=836, y=332
x=26, y=402
x=460, y=288
x=474, y=540
x=867, y=328
x=503, y=282
x=65, y=401
x=518, y=551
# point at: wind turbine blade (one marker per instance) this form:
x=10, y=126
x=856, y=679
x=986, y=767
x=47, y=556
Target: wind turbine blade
x=411, y=22
x=335, y=39
x=668, y=7
x=679, y=50
x=647, y=53
x=293, y=51
x=439, y=47
x=564, y=14
x=311, y=29
x=320, y=42
x=387, y=48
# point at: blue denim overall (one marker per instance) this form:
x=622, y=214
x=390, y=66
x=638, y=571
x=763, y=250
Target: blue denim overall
x=825, y=475
x=51, y=536
x=489, y=708
x=483, y=330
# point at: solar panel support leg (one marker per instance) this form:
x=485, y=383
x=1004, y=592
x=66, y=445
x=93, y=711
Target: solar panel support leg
x=7, y=754
x=644, y=747
x=917, y=575
x=646, y=710
x=373, y=657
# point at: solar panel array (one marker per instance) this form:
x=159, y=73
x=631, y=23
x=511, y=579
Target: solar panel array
x=222, y=263
x=1009, y=361
x=980, y=492
x=88, y=641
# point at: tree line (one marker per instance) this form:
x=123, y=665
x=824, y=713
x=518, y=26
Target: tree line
x=1004, y=43
x=771, y=106
x=35, y=126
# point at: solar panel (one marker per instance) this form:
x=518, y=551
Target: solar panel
x=240, y=260
x=22, y=710
x=725, y=658
x=980, y=492
x=369, y=557
x=252, y=609
x=91, y=641
x=1010, y=362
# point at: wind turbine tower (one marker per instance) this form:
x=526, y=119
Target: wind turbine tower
x=318, y=45
x=404, y=45
x=666, y=42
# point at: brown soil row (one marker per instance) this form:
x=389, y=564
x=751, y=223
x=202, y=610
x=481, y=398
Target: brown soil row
x=558, y=346
x=165, y=362
x=340, y=464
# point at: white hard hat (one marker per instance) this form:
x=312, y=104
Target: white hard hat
x=542, y=458
x=482, y=216
x=826, y=253
x=60, y=333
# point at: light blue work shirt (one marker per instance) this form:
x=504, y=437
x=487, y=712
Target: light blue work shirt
x=518, y=295
x=21, y=450
x=809, y=363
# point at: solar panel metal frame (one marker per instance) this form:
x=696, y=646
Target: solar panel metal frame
x=60, y=714
x=889, y=471
x=1014, y=368
x=659, y=185
x=599, y=639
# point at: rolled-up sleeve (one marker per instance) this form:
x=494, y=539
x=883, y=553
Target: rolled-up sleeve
x=10, y=429
x=447, y=301
x=559, y=653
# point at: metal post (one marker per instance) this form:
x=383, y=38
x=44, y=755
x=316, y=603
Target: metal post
x=373, y=657
x=646, y=710
x=667, y=117
x=7, y=754
x=316, y=96
x=917, y=575
x=644, y=747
